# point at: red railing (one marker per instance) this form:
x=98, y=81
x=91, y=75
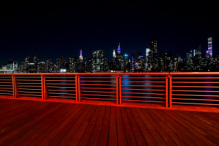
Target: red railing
x=196, y=88
x=165, y=89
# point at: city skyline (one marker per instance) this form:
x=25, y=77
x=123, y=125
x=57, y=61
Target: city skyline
x=122, y=61
x=109, y=55
x=51, y=29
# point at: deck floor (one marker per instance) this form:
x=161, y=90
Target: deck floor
x=25, y=122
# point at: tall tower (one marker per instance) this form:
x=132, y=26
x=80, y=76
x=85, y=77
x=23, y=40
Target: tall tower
x=154, y=45
x=153, y=51
x=210, y=46
x=133, y=61
x=114, y=53
x=147, y=56
x=81, y=57
x=119, y=50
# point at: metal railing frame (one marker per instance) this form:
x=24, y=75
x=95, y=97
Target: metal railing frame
x=44, y=91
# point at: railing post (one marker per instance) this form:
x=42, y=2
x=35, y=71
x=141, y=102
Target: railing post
x=15, y=87
x=42, y=87
x=45, y=88
x=79, y=90
x=76, y=88
x=120, y=89
x=170, y=90
x=117, y=89
x=167, y=91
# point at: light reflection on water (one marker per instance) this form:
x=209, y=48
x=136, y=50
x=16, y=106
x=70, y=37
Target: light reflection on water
x=205, y=79
x=208, y=89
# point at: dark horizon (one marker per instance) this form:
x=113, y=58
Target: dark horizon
x=53, y=29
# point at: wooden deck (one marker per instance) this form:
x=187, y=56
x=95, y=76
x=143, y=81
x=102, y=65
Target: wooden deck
x=25, y=122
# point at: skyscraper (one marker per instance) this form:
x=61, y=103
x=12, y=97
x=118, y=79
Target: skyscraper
x=147, y=56
x=98, y=60
x=119, y=50
x=133, y=60
x=81, y=57
x=154, y=46
x=153, y=53
x=210, y=46
x=114, y=53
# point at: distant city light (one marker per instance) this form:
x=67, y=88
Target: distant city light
x=62, y=70
x=126, y=55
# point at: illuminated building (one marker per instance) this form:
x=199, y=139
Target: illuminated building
x=60, y=64
x=98, y=60
x=72, y=62
x=119, y=49
x=120, y=62
x=126, y=63
x=81, y=57
x=114, y=53
x=161, y=62
x=48, y=66
x=194, y=53
x=141, y=64
x=198, y=51
x=106, y=66
x=41, y=67
x=147, y=56
x=12, y=65
x=133, y=61
x=210, y=47
x=154, y=46
x=197, y=56
x=207, y=55
x=188, y=57
x=88, y=67
x=175, y=63
x=152, y=59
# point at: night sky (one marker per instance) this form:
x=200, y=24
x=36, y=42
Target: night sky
x=51, y=29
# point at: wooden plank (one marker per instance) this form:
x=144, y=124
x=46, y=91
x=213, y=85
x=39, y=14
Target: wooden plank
x=137, y=132
x=66, y=140
x=162, y=122
x=10, y=106
x=43, y=123
x=29, y=132
x=13, y=121
x=103, y=139
x=78, y=135
x=14, y=109
x=28, y=108
x=97, y=129
x=128, y=130
x=145, y=131
x=209, y=117
x=84, y=140
x=203, y=121
x=213, y=120
x=199, y=126
x=195, y=135
x=120, y=128
x=56, y=126
x=112, y=128
x=68, y=125
x=151, y=128
x=177, y=130
x=159, y=129
x=26, y=121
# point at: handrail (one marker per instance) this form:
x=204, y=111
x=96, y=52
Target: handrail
x=143, y=87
